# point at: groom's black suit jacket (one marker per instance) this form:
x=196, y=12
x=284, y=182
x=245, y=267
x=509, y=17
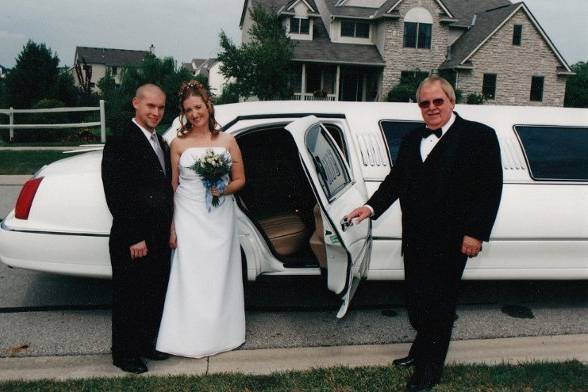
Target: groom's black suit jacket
x=140, y=198
x=138, y=192
x=455, y=192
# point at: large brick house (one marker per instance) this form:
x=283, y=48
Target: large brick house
x=357, y=50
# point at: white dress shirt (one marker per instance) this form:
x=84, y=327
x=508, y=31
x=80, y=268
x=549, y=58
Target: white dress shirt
x=154, y=142
x=428, y=143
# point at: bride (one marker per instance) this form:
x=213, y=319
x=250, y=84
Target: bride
x=204, y=310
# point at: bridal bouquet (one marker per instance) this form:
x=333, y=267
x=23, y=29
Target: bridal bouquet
x=214, y=170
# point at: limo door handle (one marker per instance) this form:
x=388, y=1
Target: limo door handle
x=345, y=223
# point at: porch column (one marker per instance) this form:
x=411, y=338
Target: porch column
x=337, y=80
x=364, y=87
x=303, y=83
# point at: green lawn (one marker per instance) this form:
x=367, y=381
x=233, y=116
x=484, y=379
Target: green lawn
x=568, y=376
x=27, y=162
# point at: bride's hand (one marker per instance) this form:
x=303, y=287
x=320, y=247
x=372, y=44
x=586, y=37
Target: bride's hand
x=215, y=192
x=173, y=239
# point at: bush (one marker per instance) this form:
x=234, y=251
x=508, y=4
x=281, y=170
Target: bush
x=402, y=93
x=475, y=99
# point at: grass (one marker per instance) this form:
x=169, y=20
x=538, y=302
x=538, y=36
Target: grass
x=567, y=376
x=27, y=162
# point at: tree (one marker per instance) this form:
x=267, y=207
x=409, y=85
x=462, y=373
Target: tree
x=34, y=77
x=162, y=72
x=577, y=87
x=262, y=66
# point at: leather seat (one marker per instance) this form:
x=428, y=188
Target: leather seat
x=286, y=232
x=317, y=239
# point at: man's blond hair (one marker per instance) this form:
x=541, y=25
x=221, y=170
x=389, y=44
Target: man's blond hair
x=445, y=86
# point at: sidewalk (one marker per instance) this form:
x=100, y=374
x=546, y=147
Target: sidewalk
x=18, y=179
x=266, y=361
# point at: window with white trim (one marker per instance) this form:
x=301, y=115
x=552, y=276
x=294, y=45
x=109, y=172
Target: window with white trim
x=299, y=25
x=355, y=29
x=418, y=28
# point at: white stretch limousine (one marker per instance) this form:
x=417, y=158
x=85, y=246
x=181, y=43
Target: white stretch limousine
x=310, y=163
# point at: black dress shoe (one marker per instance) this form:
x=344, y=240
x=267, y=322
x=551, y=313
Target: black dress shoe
x=404, y=363
x=156, y=355
x=131, y=365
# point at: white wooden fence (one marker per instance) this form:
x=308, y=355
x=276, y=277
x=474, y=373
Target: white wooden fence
x=12, y=126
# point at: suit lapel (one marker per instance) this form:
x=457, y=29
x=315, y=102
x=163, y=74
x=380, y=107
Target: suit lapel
x=147, y=150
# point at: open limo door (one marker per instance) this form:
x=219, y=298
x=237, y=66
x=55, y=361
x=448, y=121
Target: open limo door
x=348, y=245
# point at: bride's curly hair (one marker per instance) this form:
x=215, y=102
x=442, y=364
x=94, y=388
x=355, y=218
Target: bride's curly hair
x=194, y=88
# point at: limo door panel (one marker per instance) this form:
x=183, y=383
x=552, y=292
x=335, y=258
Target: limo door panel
x=541, y=232
x=337, y=192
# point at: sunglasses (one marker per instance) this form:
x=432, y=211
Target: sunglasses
x=437, y=102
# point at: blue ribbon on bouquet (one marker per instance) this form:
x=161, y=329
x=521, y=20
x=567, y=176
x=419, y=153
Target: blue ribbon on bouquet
x=213, y=201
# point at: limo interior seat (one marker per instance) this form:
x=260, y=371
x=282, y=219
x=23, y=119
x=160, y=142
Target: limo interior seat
x=317, y=239
x=277, y=197
x=286, y=232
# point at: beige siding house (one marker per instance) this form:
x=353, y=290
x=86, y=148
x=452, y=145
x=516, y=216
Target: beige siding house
x=90, y=64
x=357, y=50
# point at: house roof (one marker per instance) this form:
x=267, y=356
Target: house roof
x=322, y=50
x=110, y=57
x=484, y=25
x=464, y=11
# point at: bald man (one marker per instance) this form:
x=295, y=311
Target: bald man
x=137, y=185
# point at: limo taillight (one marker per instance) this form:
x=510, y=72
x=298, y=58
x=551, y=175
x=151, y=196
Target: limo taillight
x=26, y=197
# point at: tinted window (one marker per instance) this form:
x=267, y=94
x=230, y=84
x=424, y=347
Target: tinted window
x=555, y=153
x=394, y=131
x=329, y=165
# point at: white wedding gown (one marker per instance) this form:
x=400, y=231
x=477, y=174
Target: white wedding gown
x=204, y=310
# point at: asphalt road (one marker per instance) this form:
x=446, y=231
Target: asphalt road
x=42, y=314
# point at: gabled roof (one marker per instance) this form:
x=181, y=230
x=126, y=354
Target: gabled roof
x=440, y=3
x=268, y=4
x=485, y=25
x=322, y=50
x=464, y=11
x=110, y=57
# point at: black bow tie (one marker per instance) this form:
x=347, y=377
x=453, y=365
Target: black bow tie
x=428, y=132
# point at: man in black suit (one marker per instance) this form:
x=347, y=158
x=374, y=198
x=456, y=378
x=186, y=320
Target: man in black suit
x=136, y=178
x=448, y=178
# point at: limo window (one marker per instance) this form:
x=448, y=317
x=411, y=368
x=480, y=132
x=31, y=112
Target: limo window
x=330, y=166
x=555, y=153
x=394, y=131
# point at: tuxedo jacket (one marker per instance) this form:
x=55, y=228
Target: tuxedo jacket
x=455, y=192
x=138, y=192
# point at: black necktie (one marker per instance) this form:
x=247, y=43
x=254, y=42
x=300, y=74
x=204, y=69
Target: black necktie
x=428, y=132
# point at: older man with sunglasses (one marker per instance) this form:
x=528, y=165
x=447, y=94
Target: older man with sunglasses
x=448, y=179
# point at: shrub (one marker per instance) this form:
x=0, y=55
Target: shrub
x=475, y=99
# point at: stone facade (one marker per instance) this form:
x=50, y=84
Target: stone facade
x=515, y=66
x=400, y=59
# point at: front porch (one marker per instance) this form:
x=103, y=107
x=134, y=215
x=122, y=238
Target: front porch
x=335, y=82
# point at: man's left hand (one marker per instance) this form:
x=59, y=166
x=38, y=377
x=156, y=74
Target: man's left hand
x=471, y=246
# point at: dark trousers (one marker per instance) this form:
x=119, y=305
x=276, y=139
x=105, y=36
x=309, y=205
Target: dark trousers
x=432, y=284
x=138, y=294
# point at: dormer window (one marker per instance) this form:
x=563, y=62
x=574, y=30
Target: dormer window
x=299, y=25
x=355, y=29
x=418, y=27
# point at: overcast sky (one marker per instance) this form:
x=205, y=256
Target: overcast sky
x=186, y=29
